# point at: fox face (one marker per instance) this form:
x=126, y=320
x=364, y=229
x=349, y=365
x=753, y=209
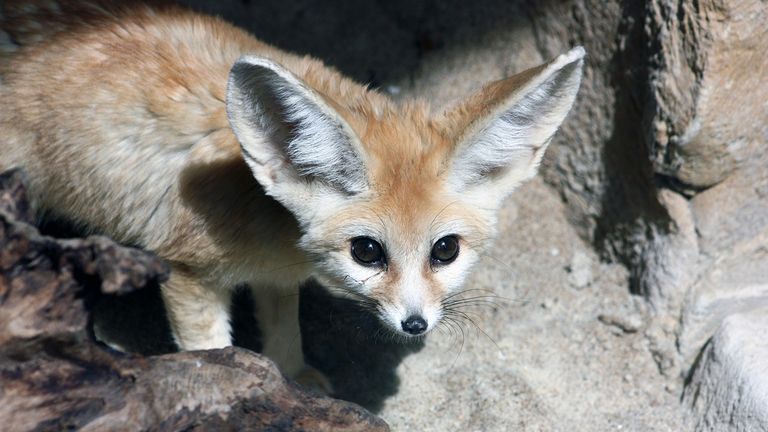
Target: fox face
x=396, y=203
x=405, y=257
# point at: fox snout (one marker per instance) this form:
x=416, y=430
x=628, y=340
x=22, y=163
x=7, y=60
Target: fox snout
x=410, y=321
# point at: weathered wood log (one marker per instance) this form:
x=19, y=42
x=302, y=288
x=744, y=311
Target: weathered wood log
x=55, y=376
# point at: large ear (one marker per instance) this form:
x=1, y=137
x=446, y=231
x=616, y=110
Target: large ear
x=504, y=129
x=289, y=134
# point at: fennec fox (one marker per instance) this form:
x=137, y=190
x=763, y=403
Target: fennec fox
x=239, y=163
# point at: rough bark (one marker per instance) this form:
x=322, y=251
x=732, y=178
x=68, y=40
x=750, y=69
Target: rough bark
x=54, y=376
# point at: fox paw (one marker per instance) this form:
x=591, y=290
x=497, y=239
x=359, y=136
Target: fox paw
x=315, y=380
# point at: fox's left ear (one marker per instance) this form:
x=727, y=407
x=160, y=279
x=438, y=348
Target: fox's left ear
x=504, y=129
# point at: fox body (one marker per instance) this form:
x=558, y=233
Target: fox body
x=239, y=163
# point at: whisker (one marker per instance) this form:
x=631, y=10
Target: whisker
x=461, y=330
x=455, y=298
x=466, y=317
x=465, y=291
x=276, y=269
x=491, y=303
x=431, y=224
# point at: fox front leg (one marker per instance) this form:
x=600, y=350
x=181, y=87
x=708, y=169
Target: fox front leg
x=277, y=312
x=199, y=315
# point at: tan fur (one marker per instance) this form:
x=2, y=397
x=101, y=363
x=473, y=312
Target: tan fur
x=119, y=114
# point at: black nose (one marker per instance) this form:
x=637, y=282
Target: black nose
x=414, y=325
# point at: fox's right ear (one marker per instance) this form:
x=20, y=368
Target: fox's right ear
x=291, y=137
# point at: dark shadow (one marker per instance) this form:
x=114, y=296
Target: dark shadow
x=631, y=213
x=372, y=41
x=351, y=346
x=245, y=328
x=134, y=322
x=688, y=387
x=341, y=339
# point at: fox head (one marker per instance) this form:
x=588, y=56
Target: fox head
x=396, y=204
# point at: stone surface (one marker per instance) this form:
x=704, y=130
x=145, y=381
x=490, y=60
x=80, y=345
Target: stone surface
x=707, y=79
x=728, y=388
x=580, y=270
x=733, y=284
x=54, y=376
x=625, y=323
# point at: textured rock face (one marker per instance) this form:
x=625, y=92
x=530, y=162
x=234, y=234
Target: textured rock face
x=705, y=125
x=728, y=389
x=54, y=376
x=708, y=135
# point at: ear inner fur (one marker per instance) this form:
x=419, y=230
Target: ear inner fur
x=269, y=107
x=503, y=128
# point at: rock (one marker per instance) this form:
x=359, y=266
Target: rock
x=707, y=119
x=734, y=283
x=580, y=270
x=728, y=388
x=55, y=376
x=90, y=389
x=13, y=196
x=627, y=324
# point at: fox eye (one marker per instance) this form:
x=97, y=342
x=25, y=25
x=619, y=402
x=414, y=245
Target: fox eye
x=445, y=250
x=367, y=251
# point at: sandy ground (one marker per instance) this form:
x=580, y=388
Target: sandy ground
x=564, y=352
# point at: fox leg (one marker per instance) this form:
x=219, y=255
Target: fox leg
x=199, y=315
x=277, y=313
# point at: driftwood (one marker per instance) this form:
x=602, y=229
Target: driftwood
x=55, y=376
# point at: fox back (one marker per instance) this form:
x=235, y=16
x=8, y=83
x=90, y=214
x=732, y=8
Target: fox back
x=238, y=162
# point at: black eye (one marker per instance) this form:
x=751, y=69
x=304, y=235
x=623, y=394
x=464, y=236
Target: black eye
x=445, y=250
x=367, y=251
